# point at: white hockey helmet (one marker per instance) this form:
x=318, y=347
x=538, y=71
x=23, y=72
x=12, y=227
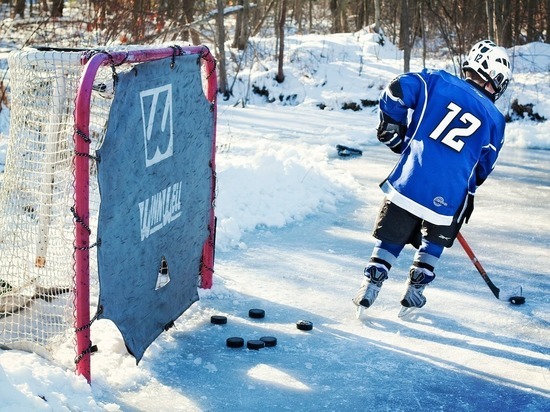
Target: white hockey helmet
x=492, y=63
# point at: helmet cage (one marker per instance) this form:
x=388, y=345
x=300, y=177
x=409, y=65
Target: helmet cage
x=491, y=63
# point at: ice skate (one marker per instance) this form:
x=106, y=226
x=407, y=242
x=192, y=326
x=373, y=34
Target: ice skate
x=375, y=275
x=413, y=297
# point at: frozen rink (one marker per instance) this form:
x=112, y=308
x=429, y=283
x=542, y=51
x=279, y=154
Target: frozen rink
x=293, y=237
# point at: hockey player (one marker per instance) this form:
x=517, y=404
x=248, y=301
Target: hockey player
x=448, y=133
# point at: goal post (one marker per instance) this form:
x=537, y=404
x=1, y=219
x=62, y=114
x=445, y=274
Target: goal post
x=50, y=199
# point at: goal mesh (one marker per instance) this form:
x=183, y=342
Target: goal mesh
x=37, y=198
x=45, y=293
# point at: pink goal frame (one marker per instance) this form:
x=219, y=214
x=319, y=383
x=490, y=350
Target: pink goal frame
x=82, y=184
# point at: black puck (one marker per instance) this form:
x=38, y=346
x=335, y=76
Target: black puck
x=269, y=341
x=517, y=300
x=235, y=342
x=256, y=313
x=304, y=325
x=255, y=344
x=218, y=320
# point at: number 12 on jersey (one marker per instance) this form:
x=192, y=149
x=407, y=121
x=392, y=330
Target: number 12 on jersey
x=452, y=138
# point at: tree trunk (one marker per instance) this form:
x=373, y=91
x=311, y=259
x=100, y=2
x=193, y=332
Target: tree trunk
x=282, y=20
x=44, y=6
x=242, y=31
x=531, y=32
x=490, y=10
x=222, y=73
x=19, y=9
x=310, y=15
x=188, y=9
x=517, y=25
x=338, y=11
x=57, y=8
x=362, y=19
x=505, y=28
x=298, y=15
x=404, y=35
x=423, y=31
x=238, y=25
x=377, y=16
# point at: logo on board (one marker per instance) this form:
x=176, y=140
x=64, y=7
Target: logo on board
x=158, y=129
x=164, y=206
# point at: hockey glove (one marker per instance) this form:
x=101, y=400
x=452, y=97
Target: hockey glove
x=391, y=133
x=469, y=208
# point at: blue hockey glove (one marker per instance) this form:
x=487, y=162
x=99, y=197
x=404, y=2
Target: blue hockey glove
x=391, y=133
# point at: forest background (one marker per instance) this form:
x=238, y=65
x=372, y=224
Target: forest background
x=426, y=27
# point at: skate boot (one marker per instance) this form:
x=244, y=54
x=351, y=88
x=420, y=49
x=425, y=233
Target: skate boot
x=417, y=282
x=375, y=275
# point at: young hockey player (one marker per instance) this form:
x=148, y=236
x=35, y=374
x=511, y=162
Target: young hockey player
x=448, y=133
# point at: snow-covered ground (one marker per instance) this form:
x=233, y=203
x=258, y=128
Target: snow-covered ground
x=294, y=223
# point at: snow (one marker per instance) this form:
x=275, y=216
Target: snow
x=293, y=236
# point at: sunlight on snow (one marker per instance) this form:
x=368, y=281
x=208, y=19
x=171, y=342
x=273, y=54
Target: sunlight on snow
x=145, y=402
x=268, y=373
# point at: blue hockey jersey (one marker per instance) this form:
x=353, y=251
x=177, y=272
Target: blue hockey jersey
x=453, y=139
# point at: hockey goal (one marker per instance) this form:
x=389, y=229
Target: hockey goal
x=49, y=198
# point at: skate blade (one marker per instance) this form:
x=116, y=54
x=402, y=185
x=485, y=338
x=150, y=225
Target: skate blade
x=406, y=312
x=359, y=311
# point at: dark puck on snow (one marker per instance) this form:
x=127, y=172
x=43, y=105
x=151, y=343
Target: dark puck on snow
x=517, y=300
x=269, y=341
x=255, y=344
x=218, y=320
x=304, y=325
x=235, y=342
x=256, y=313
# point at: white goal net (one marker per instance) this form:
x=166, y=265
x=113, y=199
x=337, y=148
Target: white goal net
x=37, y=197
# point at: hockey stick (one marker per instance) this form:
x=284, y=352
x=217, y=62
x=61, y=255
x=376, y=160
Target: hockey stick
x=514, y=297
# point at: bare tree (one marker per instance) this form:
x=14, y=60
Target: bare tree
x=242, y=26
x=490, y=9
x=188, y=9
x=282, y=20
x=222, y=72
x=405, y=34
x=361, y=13
x=19, y=9
x=377, y=16
x=338, y=10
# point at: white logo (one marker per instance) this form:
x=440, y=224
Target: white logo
x=157, y=140
x=439, y=201
x=160, y=209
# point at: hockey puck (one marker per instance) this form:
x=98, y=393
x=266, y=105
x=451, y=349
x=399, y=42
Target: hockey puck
x=235, y=342
x=304, y=325
x=218, y=320
x=517, y=300
x=269, y=341
x=255, y=344
x=256, y=313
